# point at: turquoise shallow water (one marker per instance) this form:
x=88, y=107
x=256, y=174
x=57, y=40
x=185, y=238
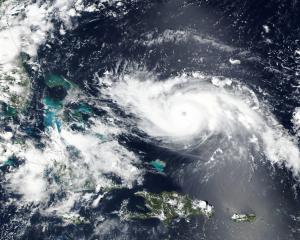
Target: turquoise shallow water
x=52, y=109
x=158, y=165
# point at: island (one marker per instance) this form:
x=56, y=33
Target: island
x=167, y=206
x=243, y=217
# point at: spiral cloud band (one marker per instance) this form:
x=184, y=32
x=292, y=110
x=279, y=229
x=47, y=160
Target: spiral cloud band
x=194, y=107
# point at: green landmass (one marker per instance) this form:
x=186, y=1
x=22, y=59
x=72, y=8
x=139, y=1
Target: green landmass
x=243, y=217
x=167, y=206
x=54, y=80
x=74, y=218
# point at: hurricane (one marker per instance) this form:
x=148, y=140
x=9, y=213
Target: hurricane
x=193, y=108
x=124, y=119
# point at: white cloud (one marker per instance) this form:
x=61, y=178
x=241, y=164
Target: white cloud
x=189, y=107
